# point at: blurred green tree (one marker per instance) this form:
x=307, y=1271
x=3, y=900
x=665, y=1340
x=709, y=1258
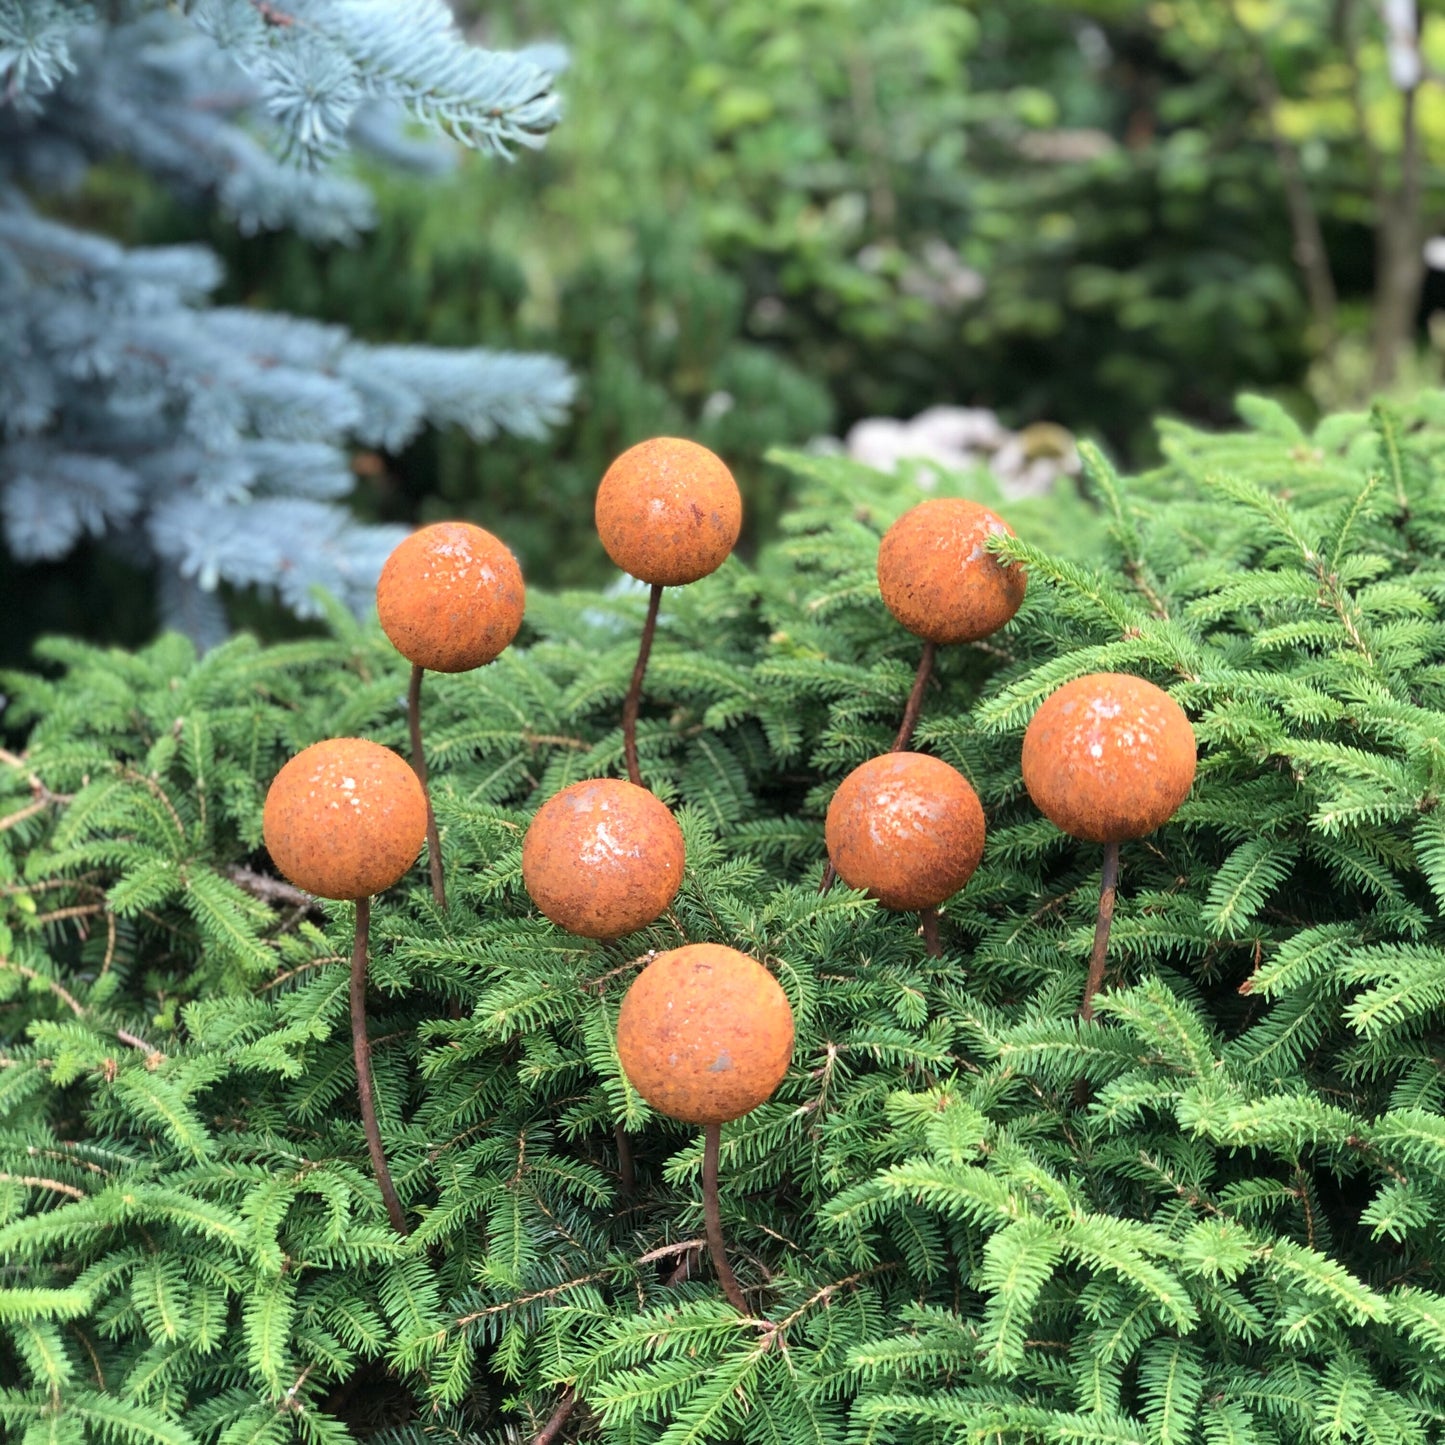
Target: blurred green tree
x=1083, y=209
x=1087, y=211
x=1061, y=210
x=1348, y=96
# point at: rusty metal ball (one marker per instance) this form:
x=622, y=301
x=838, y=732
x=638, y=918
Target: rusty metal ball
x=668, y=511
x=705, y=1034
x=450, y=597
x=344, y=818
x=938, y=577
x=603, y=858
x=907, y=828
x=1109, y=757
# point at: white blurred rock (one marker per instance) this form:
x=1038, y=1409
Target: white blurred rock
x=960, y=428
x=1026, y=463
x=879, y=443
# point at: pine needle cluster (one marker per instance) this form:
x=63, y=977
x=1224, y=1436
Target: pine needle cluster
x=1215, y=1213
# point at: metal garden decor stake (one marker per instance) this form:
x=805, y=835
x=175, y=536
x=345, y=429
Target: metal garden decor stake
x=345, y=819
x=908, y=829
x=1107, y=758
x=938, y=578
x=705, y=1035
x=601, y=859
x=450, y=598
x=668, y=512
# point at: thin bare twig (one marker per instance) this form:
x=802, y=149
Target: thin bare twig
x=683, y=1272
x=553, y=1428
x=301, y=968
x=269, y=889
x=28, y=811
x=464, y=1320
x=667, y=1251
x=76, y=910
x=152, y=786
x=33, y=1181
x=42, y=796
x=153, y=1055
x=823, y=1295
x=62, y=993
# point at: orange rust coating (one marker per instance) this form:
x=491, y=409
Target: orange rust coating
x=1109, y=757
x=907, y=828
x=705, y=1034
x=344, y=818
x=450, y=597
x=603, y=858
x=668, y=511
x=938, y=577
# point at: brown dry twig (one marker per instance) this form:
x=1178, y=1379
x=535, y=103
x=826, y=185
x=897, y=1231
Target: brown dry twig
x=33, y=1181
x=269, y=889
x=42, y=798
x=553, y=1428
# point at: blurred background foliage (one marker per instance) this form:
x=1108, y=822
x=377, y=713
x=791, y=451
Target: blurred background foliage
x=765, y=220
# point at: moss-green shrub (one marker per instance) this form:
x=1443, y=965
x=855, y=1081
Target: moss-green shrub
x=1231, y=1231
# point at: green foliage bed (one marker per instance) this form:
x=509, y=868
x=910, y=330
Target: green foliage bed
x=1237, y=1237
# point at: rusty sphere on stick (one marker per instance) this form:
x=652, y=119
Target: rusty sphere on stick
x=344, y=818
x=450, y=597
x=603, y=858
x=1109, y=757
x=938, y=577
x=705, y=1034
x=668, y=511
x=907, y=828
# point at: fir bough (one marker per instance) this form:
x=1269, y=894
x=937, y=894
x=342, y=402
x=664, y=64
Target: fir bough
x=213, y=444
x=1232, y=1232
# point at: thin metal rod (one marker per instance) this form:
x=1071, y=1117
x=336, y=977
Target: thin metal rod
x=626, y=1169
x=915, y=698
x=911, y=713
x=930, y=932
x=712, y=1145
x=418, y=766
x=633, y=702
x=1108, y=886
x=361, y=1049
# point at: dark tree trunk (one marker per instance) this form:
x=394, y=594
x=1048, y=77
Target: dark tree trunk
x=1399, y=256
